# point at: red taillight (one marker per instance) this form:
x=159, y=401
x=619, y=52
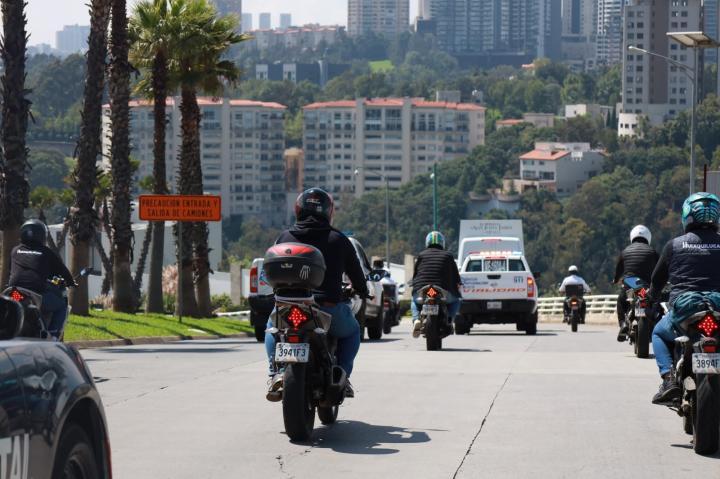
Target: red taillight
x=642, y=293
x=530, y=288
x=431, y=293
x=254, y=279
x=293, y=339
x=708, y=325
x=296, y=317
x=709, y=348
x=17, y=296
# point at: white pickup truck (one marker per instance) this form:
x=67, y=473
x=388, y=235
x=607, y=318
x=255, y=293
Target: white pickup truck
x=498, y=288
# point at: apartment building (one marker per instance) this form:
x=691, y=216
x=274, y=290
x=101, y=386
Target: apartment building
x=318, y=73
x=242, y=144
x=383, y=17
x=579, y=27
x=559, y=167
x=653, y=88
x=609, y=34
x=72, y=39
x=396, y=137
x=308, y=36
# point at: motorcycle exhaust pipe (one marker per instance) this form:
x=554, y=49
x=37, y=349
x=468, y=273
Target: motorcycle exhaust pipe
x=335, y=392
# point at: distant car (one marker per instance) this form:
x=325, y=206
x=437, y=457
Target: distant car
x=369, y=312
x=52, y=421
x=261, y=299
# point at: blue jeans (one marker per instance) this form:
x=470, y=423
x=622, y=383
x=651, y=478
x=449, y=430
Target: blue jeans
x=663, y=341
x=344, y=327
x=453, y=309
x=55, y=306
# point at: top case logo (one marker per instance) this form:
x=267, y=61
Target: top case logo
x=305, y=272
x=286, y=266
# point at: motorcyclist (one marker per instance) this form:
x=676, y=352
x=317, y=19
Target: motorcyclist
x=435, y=265
x=33, y=265
x=313, y=212
x=573, y=279
x=639, y=260
x=690, y=263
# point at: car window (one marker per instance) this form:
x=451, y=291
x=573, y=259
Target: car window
x=474, y=266
x=515, y=265
x=363, y=258
x=496, y=265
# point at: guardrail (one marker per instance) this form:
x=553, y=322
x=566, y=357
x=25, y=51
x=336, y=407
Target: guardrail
x=596, y=304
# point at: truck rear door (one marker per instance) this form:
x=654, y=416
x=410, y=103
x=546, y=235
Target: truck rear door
x=496, y=277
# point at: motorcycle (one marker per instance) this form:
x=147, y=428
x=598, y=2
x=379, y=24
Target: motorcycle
x=36, y=323
x=697, y=372
x=639, y=322
x=574, y=306
x=434, y=315
x=304, y=351
x=391, y=307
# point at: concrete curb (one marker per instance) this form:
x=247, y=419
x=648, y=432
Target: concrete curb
x=599, y=319
x=108, y=343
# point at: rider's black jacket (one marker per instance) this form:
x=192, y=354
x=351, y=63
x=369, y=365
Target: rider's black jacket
x=339, y=253
x=690, y=262
x=32, y=266
x=638, y=259
x=436, y=266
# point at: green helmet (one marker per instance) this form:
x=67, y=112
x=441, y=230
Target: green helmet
x=435, y=238
x=700, y=209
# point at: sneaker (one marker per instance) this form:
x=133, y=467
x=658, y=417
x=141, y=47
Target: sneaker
x=417, y=329
x=275, y=387
x=622, y=335
x=349, y=391
x=669, y=391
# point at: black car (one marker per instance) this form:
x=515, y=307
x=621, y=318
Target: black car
x=52, y=422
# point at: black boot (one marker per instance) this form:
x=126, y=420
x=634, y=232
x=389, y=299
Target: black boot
x=622, y=335
x=669, y=391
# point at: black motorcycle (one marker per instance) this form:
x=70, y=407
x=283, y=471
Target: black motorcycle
x=698, y=374
x=638, y=316
x=391, y=308
x=574, y=305
x=434, y=315
x=304, y=352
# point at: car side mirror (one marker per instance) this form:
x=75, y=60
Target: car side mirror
x=537, y=275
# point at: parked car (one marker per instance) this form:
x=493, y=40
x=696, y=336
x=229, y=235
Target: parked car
x=369, y=312
x=261, y=299
x=52, y=422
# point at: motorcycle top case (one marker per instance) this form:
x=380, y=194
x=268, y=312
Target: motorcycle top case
x=294, y=266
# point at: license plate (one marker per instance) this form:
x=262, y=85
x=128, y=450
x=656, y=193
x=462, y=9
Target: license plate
x=431, y=309
x=494, y=305
x=706, y=363
x=639, y=312
x=292, y=353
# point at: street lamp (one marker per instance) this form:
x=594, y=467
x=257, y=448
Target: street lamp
x=387, y=209
x=433, y=176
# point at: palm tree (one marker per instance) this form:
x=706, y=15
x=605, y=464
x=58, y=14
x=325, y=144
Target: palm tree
x=14, y=187
x=199, y=67
x=150, y=36
x=121, y=168
x=83, y=220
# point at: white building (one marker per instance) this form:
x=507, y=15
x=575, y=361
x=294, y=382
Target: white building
x=265, y=21
x=397, y=137
x=559, y=167
x=609, y=35
x=651, y=86
x=307, y=36
x=72, y=39
x=247, y=22
x=383, y=17
x=285, y=20
x=242, y=144
x=593, y=110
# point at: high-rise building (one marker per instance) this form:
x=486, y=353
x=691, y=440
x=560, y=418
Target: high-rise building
x=711, y=26
x=247, y=22
x=265, y=21
x=652, y=88
x=579, y=27
x=72, y=39
x=229, y=7
x=398, y=137
x=609, y=35
x=383, y=17
x=285, y=20
x=242, y=144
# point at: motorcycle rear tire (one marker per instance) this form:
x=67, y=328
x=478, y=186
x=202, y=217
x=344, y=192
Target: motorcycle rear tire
x=433, y=338
x=574, y=323
x=328, y=415
x=642, y=341
x=706, y=414
x=298, y=410
x=387, y=321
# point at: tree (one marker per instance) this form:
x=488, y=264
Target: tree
x=83, y=220
x=49, y=168
x=120, y=167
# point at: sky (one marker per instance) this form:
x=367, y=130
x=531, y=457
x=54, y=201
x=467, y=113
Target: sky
x=45, y=17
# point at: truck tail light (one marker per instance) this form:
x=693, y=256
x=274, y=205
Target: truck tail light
x=530, y=287
x=254, y=279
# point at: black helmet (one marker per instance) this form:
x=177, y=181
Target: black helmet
x=33, y=233
x=314, y=202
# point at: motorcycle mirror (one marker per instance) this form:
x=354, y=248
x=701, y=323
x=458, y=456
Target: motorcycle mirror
x=537, y=275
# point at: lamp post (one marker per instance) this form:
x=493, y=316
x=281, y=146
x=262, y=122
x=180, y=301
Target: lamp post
x=433, y=176
x=387, y=209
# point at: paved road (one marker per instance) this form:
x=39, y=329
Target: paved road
x=495, y=404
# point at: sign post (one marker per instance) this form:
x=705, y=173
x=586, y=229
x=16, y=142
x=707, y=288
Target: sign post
x=181, y=209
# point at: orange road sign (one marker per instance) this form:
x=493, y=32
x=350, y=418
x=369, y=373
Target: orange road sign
x=180, y=208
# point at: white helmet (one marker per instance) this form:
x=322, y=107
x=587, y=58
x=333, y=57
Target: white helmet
x=573, y=269
x=640, y=231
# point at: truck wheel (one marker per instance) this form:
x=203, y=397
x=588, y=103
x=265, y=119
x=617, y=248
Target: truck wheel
x=531, y=324
x=374, y=332
x=462, y=325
